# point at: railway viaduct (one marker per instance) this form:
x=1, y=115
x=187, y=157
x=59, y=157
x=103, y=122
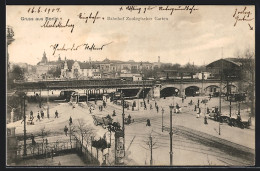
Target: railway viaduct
x=204, y=87
x=157, y=88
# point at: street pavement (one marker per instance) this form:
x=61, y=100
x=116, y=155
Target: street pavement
x=189, y=148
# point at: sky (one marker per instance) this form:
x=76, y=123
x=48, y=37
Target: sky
x=184, y=37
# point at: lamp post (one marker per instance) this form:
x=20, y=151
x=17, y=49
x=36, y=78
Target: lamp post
x=171, y=133
x=220, y=92
x=123, y=121
x=24, y=124
x=162, y=118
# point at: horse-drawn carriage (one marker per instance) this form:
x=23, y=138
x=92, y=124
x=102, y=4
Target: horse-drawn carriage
x=238, y=122
x=128, y=120
x=232, y=121
x=103, y=121
x=106, y=122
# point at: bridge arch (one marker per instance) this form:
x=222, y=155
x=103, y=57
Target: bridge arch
x=211, y=89
x=192, y=90
x=233, y=87
x=169, y=91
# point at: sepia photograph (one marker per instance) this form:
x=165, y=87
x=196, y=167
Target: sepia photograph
x=130, y=85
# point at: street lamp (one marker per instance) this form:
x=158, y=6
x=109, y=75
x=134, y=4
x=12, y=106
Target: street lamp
x=24, y=123
x=123, y=120
x=162, y=118
x=171, y=133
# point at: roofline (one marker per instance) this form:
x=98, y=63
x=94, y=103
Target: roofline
x=223, y=59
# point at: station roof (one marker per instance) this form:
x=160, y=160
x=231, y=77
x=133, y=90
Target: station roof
x=233, y=61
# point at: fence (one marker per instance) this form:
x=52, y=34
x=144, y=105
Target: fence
x=40, y=150
x=85, y=155
x=43, y=150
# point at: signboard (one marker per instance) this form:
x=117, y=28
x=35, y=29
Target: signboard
x=119, y=146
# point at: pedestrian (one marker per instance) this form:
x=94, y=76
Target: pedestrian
x=148, y=123
x=148, y=101
x=134, y=104
x=208, y=110
x=114, y=113
x=195, y=108
x=38, y=117
x=23, y=120
x=151, y=107
x=104, y=104
x=209, y=96
x=70, y=120
x=31, y=120
x=157, y=108
x=133, y=108
x=198, y=114
x=42, y=114
x=66, y=130
x=33, y=141
x=177, y=108
x=145, y=106
x=205, y=120
x=56, y=114
x=52, y=153
x=198, y=102
x=31, y=114
x=182, y=99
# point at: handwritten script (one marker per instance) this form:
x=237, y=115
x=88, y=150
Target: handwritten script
x=242, y=15
x=85, y=17
x=43, y=10
x=74, y=47
x=179, y=8
x=141, y=9
x=58, y=24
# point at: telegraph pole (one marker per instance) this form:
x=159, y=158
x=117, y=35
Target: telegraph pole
x=123, y=121
x=220, y=89
x=48, y=114
x=24, y=124
x=40, y=102
x=143, y=87
x=230, y=107
x=162, y=119
x=151, y=147
x=171, y=133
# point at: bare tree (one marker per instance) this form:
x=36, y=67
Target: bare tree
x=151, y=145
x=84, y=130
x=247, y=59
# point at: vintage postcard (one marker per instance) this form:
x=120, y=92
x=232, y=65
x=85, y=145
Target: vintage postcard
x=160, y=85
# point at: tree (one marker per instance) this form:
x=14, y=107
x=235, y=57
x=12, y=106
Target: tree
x=247, y=59
x=17, y=73
x=84, y=130
x=55, y=72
